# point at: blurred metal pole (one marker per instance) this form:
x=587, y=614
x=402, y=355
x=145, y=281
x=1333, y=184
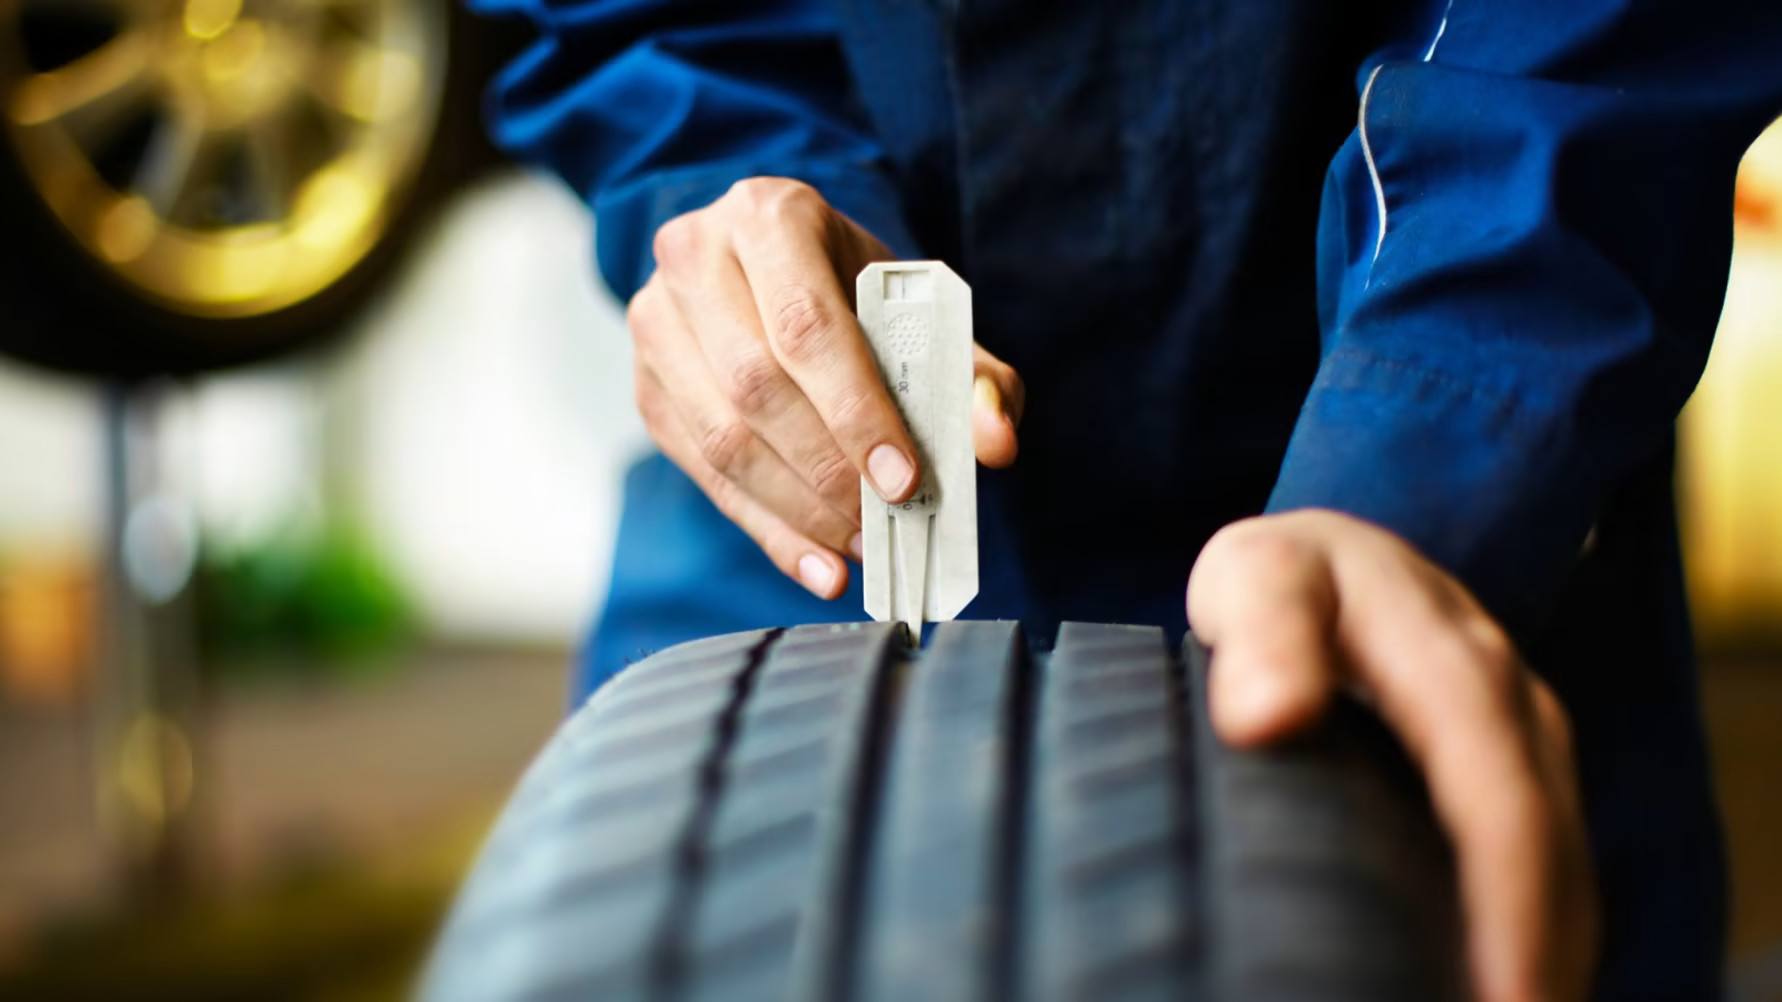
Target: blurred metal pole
x=145, y=692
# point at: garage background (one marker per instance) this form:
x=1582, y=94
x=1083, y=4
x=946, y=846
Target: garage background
x=387, y=523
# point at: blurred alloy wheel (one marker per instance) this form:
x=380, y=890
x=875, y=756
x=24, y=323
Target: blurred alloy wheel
x=190, y=183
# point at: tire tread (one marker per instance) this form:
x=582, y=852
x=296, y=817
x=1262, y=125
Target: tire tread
x=821, y=813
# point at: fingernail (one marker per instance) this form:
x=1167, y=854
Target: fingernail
x=984, y=389
x=816, y=574
x=857, y=547
x=891, y=472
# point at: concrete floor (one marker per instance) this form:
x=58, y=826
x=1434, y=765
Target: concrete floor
x=366, y=771
x=297, y=778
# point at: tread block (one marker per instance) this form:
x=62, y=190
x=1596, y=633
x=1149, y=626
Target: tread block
x=581, y=874
x=937, y=873
x=783, y=828
x=820, y=813
x=1110, y=849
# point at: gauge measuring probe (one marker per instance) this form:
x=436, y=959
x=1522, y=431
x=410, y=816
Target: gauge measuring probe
x=920, y=557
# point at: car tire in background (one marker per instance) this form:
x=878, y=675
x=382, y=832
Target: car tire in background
x=189, y=184
x=822, y=813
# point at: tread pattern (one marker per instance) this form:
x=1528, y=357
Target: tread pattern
x=821, y=813
x=775, y=891
x=574, y=891
x=940, y=885
x=1110, y=903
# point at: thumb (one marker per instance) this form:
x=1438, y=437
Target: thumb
x=998, y=397
x=1264, y=604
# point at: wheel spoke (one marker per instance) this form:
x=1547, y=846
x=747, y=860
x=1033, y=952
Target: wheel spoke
x=90, y=94
x=167, y=169
x=270, y=151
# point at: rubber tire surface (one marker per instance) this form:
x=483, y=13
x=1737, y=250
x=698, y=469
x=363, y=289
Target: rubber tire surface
x=822, y=813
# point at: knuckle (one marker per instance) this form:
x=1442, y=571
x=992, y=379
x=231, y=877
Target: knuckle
x=1504, y=679
x=750, y=190
x=1552, y=716
x=998, y=370
x=1504, y=676
x=653, y=410
x=833, y=476
x=804, y=327
x=723, y=493
x=1493, y=643
x=660, y=432
x=725, y=445
x=776, y=199
x=852, y=406
x=677, y=242
x=754, y=382
x=644, y=396
x=663, y=441
x=641, y=314
x=1263, y=550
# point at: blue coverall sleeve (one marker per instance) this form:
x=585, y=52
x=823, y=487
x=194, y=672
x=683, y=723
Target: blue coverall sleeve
x=1522, y=257
x=652, y=108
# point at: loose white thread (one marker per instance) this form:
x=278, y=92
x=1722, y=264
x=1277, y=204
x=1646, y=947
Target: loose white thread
x=1441, y=30
x=1367, y=147
x=1373, y=169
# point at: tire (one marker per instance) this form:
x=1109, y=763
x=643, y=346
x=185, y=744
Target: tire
x=73, y=308
x=822, y=813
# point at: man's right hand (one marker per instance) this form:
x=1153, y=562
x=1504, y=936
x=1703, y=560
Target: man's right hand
x=753, y=376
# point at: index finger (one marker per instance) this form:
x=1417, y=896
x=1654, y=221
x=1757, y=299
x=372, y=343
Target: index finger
x=812, y=330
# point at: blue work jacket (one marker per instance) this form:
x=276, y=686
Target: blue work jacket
x=1449, y=266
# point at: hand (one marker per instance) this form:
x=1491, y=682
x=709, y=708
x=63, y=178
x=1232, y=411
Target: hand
x=753, y=376
x=1294, y=606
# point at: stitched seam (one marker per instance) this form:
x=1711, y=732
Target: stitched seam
x=1501, y=403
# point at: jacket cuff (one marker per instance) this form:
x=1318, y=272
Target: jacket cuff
x=1495, y=494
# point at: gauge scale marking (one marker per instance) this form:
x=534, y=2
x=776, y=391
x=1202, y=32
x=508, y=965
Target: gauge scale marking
x=920, y=557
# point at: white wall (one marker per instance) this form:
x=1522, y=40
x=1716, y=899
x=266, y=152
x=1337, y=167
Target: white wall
x=496, y=417
x=477, y=423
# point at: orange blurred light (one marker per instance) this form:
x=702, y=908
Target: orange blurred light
x=48, y=619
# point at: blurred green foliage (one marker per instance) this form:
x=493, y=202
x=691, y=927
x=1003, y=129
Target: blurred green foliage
x=324, y=605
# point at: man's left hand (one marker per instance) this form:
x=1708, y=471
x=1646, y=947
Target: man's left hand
x=1297, y=605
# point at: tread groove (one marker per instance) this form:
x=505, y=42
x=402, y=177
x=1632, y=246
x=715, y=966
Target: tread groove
x=1011, y=890
x=837, y=973
x=689, y=854
x=938, y=926
x=821, y=813
x=783, y=842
